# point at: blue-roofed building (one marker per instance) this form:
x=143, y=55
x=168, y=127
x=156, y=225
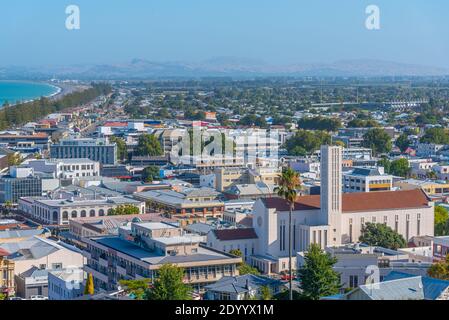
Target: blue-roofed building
x=400, y=286
x=434, y=289
x=241, y=287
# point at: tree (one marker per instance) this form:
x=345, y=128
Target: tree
x=243, y=267
x=359, y=123
x=126, y=209
x=289, y=183
x=89, y=288
x=305, y=142
x=320, y=123
x=441, y=221
x=403, y=142
x=136, y=288
x=440, y=270
x=2, y=296
x=121, y=147
x=382, y=236
x=399, y=168
x=378, y=140
x=14, y=159
x=317, y=276
x=435, y=135
x=385, y=163
x=169, y=285
x=151, y=173
x=148, y=145
x=265, y=293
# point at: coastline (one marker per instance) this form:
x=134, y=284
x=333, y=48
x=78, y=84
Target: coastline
x=60, y=90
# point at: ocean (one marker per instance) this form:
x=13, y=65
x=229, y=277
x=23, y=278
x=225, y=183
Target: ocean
x=17, y=91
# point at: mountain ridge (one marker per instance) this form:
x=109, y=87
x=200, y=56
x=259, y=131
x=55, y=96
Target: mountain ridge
x=225, y=66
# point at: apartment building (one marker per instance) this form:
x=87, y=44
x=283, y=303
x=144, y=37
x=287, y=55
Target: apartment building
x=367, y=180
x=21, y=182
x=141, y=249
x=66, y=168
x=94, y=149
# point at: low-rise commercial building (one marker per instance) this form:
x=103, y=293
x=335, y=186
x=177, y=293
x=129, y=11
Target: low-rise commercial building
x=367, y=180
x=59, y=211
x=202, y=201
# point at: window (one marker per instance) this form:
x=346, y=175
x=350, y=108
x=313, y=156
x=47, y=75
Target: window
x=83, y=213
x=74, y=214
x=92, y=213
x=56, y=266
x=418, y=228
x=353, y=281
x=101, y=212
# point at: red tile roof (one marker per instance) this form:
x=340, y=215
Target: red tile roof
x=235, y=234
x=360, y=201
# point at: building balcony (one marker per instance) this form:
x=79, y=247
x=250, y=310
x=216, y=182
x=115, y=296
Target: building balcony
x=96, y=274
x=121, y=271
x=103, y=262
x=87, y=255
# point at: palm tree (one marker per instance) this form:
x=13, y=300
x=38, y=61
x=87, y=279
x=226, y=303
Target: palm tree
x=289, y=183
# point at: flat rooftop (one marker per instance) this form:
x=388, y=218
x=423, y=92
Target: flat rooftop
x=150, y=257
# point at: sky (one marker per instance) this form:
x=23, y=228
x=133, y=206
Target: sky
x=274, y=31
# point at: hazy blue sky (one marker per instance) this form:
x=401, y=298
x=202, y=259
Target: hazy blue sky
x=276, y=31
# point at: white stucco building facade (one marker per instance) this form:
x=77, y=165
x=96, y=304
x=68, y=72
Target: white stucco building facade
x=334, y=218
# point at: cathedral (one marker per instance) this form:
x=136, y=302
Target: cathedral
x=334, y=218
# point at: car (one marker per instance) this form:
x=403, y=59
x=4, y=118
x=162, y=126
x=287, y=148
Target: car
x=16, y=298
x=38, y=297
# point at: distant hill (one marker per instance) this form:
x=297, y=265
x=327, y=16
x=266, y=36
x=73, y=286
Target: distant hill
x=223, y=66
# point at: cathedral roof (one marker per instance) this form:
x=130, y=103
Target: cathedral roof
x=359, y=201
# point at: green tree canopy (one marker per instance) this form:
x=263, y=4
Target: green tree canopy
x=148, y=145
x=403, y=142
x=243, y=267
x=317, y=276
x=121, y=147
x=319, y=123
x=400, y=168
x=126, y=209
x=381, y=235
x=359, y=123
x=378, y=140
x=151, y=173
x=440, y=270
x=441, y=221
x=169, y=285
x=306, y=142
x=137, y=288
